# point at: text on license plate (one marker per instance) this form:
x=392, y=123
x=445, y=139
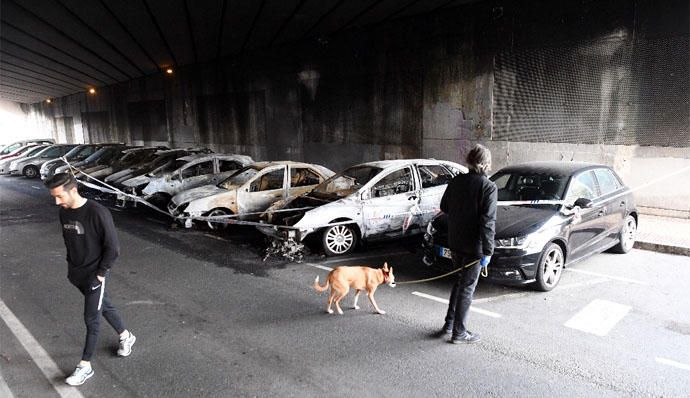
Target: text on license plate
x=444, y=252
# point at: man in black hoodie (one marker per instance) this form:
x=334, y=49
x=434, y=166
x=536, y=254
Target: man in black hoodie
x=92, y=248
x=470, y=202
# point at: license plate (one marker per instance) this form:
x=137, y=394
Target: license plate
x=444, y=252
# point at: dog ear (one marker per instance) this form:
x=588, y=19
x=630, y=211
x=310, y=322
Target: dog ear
x=385, y=265
x=390, y=270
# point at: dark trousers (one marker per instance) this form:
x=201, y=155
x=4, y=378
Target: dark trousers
x=97, y=302
x=461, y=295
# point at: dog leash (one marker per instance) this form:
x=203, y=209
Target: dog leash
x=484, y=273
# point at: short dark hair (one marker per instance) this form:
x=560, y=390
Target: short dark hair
x=65, y=180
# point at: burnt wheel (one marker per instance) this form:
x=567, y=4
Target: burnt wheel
x=217, y=226
x=339, y=239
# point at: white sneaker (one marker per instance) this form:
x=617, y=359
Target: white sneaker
x=80, y=375
x=126, y=344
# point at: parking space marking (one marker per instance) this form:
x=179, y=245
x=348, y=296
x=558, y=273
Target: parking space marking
x=343, y=259
x=599, y=317
x=319, y=266
x=4, y=388
x=675, y=364
x=445, y=301
x=618, y=278
x=35, y=187
x=38, y=354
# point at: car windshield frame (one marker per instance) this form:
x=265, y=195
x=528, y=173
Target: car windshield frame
x=532, y=185
x=241, y=181
x=340, y=189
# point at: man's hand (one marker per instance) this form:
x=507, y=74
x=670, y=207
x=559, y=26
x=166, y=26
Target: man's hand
x=100, y=278
x=485, y=261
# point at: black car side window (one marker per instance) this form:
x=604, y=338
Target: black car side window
x=582, y=186
x=607, y=181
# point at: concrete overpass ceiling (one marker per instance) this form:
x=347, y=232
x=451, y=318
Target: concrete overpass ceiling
x=53, y=48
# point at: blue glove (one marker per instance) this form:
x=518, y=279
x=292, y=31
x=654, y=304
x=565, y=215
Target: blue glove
x=485, y=261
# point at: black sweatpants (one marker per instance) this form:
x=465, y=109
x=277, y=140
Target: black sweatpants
x=97, y=302
x=461, y=295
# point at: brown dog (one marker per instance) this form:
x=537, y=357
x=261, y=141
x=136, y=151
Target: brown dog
x=341, y=279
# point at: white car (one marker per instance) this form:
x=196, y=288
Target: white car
x=249, y=191
x=376, y=200
x=196, y=170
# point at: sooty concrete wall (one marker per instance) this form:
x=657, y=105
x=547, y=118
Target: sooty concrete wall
x=426, y=87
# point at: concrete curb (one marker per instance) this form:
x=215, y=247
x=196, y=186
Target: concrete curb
x=661, y=248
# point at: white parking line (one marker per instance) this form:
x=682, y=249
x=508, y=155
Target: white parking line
x=598, y=317
x=323, y=267
x=618, y=278
x=675, y=364
x=35, y=187
x=344, y=259
x=4, y=388
x=445, y=301
x=38, y=354
x=216, y=237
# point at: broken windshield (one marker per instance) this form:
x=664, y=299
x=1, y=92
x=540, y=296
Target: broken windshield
x=240, y=177
x=348, y=181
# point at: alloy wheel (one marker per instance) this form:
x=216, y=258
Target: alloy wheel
x=339, y=239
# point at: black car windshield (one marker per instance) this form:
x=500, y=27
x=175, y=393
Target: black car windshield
x=348, y=181
x=529, y=185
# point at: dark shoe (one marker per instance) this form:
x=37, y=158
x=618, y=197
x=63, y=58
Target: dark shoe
x=441, y=333
x=465, y=338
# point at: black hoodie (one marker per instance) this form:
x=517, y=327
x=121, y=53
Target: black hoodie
x=91, y=241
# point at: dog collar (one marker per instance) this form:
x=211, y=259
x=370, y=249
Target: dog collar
x=385, y=275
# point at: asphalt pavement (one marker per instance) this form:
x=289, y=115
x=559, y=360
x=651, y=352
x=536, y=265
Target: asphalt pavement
x=213, y=319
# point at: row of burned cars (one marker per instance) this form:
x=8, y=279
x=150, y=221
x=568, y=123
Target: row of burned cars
x=550, y=213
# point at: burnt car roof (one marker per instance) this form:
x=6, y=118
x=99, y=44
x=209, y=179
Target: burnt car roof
x=555, y=167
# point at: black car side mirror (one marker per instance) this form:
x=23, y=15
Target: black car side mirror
x=583, y=203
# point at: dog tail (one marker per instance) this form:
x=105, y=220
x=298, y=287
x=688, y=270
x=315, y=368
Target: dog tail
x=318, y=287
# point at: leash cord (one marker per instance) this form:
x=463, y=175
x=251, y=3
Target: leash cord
x=444, y=275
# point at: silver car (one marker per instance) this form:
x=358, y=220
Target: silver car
x=249, y=191
x=17, y=154
x=376, y=200
x=196, y=170
x=30, y=166
x=77, y=154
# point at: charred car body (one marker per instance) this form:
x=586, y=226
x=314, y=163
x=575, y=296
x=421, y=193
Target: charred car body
x=370, y=201
x=193, y=171
x=550, y=214
x=248, y=191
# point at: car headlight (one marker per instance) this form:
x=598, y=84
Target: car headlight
x=516, y=242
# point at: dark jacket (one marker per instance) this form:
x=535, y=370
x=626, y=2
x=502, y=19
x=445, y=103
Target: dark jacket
x=91, y=241
x=470, y=202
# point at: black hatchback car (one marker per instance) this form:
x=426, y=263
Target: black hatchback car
x=549, y=215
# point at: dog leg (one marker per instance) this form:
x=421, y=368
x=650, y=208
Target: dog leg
x=331, y=296
x=357, y=292
x=373, y=302
x=337, y=304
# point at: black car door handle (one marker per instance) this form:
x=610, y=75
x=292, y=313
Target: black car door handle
x=602, y=212
x=622, y=204
x=413, y=197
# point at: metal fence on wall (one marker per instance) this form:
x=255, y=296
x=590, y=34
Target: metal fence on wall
x=615, y=90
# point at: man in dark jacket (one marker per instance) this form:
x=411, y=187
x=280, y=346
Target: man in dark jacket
x=470, y=202
x=92, y=248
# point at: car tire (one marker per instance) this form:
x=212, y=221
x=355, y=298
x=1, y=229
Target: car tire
x=549, y=268
x=338, y=240
x=214, y=213
x=30, y=172
x=626, y=237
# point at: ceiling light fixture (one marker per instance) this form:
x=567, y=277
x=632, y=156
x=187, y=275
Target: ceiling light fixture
x=169, y=71
x=92, y=90
x=49, y=100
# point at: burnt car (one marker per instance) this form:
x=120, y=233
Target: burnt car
x=381, y=200
x=550, y=215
